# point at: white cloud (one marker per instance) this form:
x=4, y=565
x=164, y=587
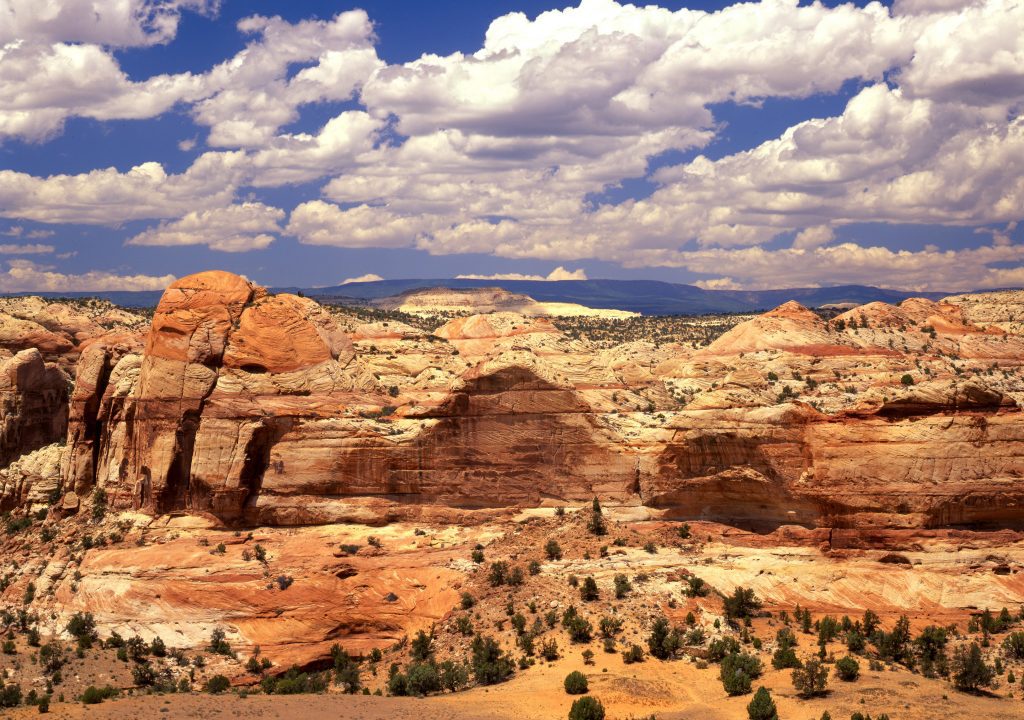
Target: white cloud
x=321, y=223
x=252, y=95
x=928, y=269
x=110, y=197
x=559, y=273
x=368, y=277
x=813, y=237
x=24, y=275
x=722, y=283
x=34, y=249
x=236, y=228
x=122, y=23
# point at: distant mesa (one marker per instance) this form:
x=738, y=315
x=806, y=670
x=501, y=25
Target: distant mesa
x=440, y=301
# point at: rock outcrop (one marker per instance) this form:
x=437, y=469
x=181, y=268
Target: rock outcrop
x=33, y=404
x=263, y=409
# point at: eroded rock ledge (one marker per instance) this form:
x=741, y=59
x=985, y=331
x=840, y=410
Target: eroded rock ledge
x=260, y=409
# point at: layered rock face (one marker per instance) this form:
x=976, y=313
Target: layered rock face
x=269, y=410
x=33, y=404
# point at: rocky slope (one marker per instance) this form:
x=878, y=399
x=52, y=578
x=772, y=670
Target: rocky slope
x=261, y=409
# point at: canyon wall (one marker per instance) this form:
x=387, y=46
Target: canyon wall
x=263, y=409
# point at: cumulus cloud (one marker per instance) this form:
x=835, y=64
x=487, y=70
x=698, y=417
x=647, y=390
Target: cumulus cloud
x=927, y=269
x=368, y=277
x=122, y=23
x=559, y=273
x=236, y=228
x=813, y=237
x=24, y=275
x=321, y=223
x=45, y=79
x=509, y=149
x=109, y=197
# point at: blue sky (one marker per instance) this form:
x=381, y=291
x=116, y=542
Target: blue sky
x=305, y=143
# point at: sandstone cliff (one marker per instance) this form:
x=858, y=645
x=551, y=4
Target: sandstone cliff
x=269, y=410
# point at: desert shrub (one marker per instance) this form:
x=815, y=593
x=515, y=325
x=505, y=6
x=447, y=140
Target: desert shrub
x=346, y=670
x=664, y=640
x=218, y=643
x=157, y=647
x=422, y=647
x=610, y=626
x=696, y=587
x=490, y=663
x=575, y=683
x=464, y=625
x=94, y=695
x=498, y=573
x=549, y=649
x=217, y=684
x=143, y=674
x=737, y=672
x=894, y=646
x=468, y=601
x=10, y=695
x=930, y=646
x=811, y=678
x=82, y=627
x=847, y=669
x=634, y=654
x=422, y=679
x=741, y=604
x=970, y=672
x=453, y=676
x=762, y=707
x=622, y=586
x=533, y=568
x=579, y=629
x=586, y=708
x=1013, y=645
x=684, y=531
x=553, y=550
x=785, y=657
x=294, y=682
x=588, y=591
x=721, y=647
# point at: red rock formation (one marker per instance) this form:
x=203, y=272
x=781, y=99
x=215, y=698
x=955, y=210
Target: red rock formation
x=257, y=409
x=33, y=404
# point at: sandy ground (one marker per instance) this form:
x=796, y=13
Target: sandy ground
x=669, y=691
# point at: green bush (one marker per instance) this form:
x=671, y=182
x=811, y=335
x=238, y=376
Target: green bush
x=741, y=604
x=218, y=643
x=217, y=684
x=490, y=663
x=721, y=647
x=970, y=672
x=664, y=640
x=847, y=669
x=810, y=679
x=10, y=695
x=586, y=708
x=1013, y=645
x=576, y=683
x=422, y=679
x=94, y=695
x=762, y=707
x=553, y=550
x=737, y=672
x=634, y=654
